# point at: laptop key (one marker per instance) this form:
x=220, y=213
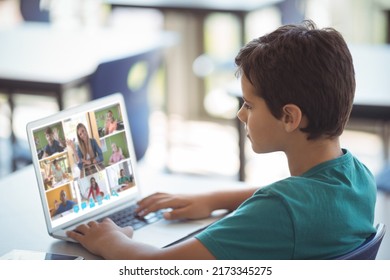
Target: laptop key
x=153, y=219
x=128, y=217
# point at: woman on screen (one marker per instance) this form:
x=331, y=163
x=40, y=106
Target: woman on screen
x=89, y=152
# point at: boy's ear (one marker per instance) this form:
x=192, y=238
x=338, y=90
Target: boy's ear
x=292, y=117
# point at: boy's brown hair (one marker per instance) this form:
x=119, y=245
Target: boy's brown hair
x=302, y=65
x=49, y=131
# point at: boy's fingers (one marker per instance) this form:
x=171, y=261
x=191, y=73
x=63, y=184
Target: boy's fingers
x=157, y=202
x=149, y=200
x=142, y=211
x=75, y=235
x=176, y=214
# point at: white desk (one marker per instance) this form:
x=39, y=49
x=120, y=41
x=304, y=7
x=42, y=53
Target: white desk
x=23, y=225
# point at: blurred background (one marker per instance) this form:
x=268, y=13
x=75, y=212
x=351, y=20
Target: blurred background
x=192, y=111
x=191, y=93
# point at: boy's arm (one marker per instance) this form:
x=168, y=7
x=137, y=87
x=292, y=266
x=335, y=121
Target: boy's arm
x=231, y=199
x=109, y=241
x=195, y=206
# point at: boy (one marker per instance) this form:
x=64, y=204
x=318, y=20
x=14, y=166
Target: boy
x=65, y=204
x=53, y=146
x=298, y=86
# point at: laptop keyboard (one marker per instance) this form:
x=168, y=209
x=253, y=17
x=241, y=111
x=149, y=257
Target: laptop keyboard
x=128, y=217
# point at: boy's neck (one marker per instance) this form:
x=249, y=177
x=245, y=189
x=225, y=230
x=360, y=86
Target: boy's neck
x=310, y=153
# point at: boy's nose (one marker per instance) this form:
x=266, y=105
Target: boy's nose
x=240, y=115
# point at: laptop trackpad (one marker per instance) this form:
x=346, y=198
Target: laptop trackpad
x=165, y=232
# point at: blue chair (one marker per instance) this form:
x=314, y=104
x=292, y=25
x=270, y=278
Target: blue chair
x=130, y=76
x=369, y=249
x=31, y=11
x=383, y=179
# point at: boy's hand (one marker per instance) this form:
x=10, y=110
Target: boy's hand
x=183, y=206
x=98, y=237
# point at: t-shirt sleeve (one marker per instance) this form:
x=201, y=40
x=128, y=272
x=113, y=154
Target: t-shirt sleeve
x=261, y=228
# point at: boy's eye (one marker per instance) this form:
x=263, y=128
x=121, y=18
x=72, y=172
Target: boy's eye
x=246, y=106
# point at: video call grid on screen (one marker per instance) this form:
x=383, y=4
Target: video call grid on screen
x=59, y=155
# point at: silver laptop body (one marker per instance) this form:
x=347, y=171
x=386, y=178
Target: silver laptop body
x=57, y=158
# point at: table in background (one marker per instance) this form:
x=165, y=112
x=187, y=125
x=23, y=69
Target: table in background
x=44, y=60
x=201, y=8
x=372, y=100
x=41, y=59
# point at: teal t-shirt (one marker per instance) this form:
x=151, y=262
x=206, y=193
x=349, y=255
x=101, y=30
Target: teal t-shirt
x=325, y=212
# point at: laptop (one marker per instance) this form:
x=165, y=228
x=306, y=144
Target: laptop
x=85, y=167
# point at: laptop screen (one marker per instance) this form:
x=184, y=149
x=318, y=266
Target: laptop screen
x=83, y=158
